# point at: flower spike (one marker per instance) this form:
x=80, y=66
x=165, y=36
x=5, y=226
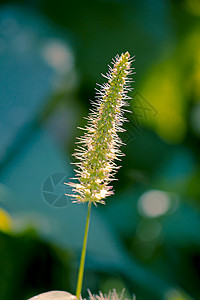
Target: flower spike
x=100, y=143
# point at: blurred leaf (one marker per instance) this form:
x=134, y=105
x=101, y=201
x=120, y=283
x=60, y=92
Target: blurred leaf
x=29, y=265
x=5, y=221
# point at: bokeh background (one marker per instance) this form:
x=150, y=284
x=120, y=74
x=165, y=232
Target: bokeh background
x=147, y=237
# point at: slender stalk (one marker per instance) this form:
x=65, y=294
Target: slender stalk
x=82, y=262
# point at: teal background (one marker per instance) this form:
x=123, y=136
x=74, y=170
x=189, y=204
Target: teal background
x=146, y=238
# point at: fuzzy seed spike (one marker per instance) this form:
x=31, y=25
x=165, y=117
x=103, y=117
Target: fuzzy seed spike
x=100, y=142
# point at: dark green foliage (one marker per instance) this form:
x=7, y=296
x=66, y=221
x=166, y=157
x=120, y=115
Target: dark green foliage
x=30, y=266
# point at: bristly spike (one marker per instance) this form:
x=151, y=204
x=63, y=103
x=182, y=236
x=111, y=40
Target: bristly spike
x=100, y=142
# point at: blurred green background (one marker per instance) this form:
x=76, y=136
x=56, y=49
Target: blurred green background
x=147, y=237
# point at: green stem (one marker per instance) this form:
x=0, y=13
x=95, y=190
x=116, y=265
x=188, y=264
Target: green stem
x=82, y=262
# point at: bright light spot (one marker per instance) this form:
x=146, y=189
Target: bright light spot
x=101, y=195
x=58, y=55
x=154, y=203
